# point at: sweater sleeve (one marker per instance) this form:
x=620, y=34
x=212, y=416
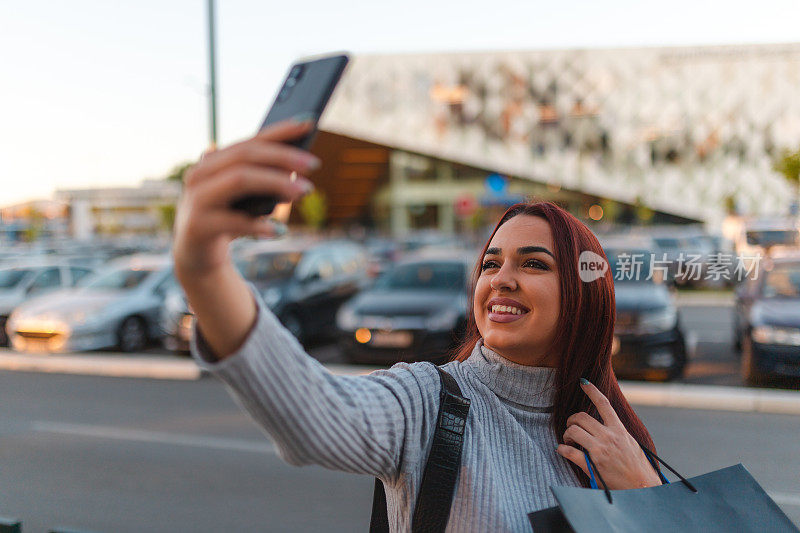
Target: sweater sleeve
x=372, y=424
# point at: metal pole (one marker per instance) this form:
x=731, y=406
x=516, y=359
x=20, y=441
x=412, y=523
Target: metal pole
x=212, y=74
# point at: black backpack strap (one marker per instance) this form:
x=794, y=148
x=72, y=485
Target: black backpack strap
x=439, y=478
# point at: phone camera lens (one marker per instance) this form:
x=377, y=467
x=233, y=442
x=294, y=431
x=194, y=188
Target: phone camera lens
x=296, y=72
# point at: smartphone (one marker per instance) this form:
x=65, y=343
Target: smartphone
x=304, y=94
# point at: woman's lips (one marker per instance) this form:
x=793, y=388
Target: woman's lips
x=505, y=317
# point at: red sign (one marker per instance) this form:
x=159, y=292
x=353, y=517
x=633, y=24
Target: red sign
x=465, y=205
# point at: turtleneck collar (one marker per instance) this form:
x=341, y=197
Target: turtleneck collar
x=529, y=386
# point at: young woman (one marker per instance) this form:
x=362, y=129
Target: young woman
x=536, y=360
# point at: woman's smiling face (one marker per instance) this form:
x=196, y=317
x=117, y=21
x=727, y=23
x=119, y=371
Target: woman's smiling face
x=519, y=271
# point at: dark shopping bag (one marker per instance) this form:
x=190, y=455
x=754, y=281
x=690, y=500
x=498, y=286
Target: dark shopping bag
x=723, y=500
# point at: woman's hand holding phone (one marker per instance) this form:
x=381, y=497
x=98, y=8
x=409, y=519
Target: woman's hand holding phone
x=205, y=224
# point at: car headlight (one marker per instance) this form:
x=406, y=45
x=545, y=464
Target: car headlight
x=346, y=318
x=775, y=335
x=272, y=296
x=660, y=320
x=443, y=321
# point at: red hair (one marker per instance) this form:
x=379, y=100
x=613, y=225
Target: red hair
x=585, y=327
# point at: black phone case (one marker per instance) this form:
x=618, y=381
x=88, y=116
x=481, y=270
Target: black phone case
x=304, y=98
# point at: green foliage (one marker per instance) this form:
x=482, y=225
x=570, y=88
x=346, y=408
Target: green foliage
x=166, y=213
x=177, y=172
x=788, y=164
x=314, y=209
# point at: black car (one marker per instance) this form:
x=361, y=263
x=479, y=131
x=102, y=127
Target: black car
x=767, y=321
x=415, y=311
x=649, y=342
x=305, y=282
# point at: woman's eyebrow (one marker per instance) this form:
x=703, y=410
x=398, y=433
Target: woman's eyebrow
x=524, y=250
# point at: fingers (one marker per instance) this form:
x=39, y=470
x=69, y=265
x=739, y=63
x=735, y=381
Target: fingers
x=573, y=455
x=589, y=423
x=604, y=407
x=253, y=152
x=246, y=180
x=577, y=435
x=287, y=130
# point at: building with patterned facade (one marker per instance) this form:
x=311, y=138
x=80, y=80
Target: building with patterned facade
x=684, y=132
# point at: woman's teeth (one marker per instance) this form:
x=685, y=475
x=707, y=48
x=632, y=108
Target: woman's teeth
x=507, y=309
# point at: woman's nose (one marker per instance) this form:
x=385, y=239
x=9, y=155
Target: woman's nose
x=503, y=280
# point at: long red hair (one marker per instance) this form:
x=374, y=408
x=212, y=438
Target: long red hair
x=585, y=327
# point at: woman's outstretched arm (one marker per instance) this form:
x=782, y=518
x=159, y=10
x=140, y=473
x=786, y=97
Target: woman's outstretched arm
x=371, y=424
x=205, y=226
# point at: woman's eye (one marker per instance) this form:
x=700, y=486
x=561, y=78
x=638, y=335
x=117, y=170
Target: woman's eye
x=534, y=262
x=487, y=264
x=537, y=263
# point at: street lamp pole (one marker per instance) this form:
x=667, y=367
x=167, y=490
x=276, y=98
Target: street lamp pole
x=212, y=74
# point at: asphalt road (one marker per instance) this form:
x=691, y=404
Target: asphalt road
x=117, y=454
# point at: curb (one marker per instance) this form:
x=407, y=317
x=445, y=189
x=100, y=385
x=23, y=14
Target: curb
x=678, y=395
x=102, y=365
x=712, y=397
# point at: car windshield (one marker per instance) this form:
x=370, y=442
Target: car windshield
x=630, y=266
x=427, y=276
x=121, y=279
x=10, y=278
x=671, y=243
x=770, y=237
x=783, y=281
x=270, y=267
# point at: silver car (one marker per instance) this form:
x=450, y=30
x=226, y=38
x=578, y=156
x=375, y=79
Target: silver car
x=117, y=307
x=27, y=280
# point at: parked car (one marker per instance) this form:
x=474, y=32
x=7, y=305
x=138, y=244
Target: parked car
x=305, y=282
x=176, y=321
x=767, y=321
x=25, y=281
x=416, y=311
x=116, y=307
x=649, y=341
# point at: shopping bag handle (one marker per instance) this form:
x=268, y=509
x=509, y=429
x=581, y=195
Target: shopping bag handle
x=650, y=455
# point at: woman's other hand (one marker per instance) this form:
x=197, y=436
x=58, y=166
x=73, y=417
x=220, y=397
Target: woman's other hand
x=205, y=225
x=617, y=455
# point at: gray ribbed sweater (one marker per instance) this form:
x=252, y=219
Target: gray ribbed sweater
x=381, y=424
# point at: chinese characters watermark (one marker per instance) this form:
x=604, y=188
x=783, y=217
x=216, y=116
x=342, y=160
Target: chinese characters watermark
x=686, y=266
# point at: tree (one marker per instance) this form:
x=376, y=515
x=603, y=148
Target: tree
x=788, y=164
x=177, y=172
x=314, y=209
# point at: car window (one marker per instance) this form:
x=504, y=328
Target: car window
x=321, y=263
x=12, y=277
x=46, y=279
x=167, y=284
x=121, y=279
x=347, y=260
x=270, y=266
x=783, y=282
x=78, y=273
x=425, y=275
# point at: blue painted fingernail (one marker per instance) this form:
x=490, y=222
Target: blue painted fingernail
x=279, y=228
x=584, y=381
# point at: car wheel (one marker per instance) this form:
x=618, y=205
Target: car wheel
x=293, y=323
x=750, y=373
x=132, y=335
x=679, y=366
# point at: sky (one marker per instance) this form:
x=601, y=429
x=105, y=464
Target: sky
x=107, y=93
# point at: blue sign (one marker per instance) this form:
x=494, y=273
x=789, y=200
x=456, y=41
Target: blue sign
x=496, y=184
